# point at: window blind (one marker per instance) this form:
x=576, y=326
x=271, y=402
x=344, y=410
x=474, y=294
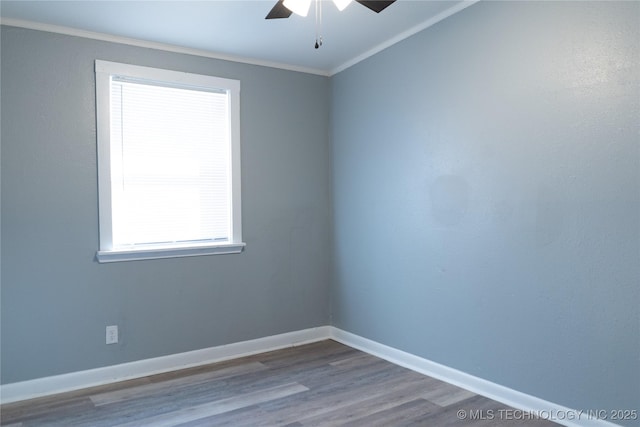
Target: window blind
x=170, y=164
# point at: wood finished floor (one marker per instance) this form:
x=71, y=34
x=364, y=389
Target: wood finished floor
x=320, y=384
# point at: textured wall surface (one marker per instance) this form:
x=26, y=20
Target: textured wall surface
x=56, y=300
x=486, y=192
x=487, y=198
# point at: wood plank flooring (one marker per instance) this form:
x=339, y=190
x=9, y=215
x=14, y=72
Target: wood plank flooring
x=319, y=384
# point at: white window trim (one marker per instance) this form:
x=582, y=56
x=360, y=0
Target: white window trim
x=104, y=70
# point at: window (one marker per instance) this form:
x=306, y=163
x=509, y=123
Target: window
x=168, y=163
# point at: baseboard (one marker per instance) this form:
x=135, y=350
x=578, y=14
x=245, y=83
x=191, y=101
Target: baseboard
x=518, y=400
x=100, y=376
x=109, y=374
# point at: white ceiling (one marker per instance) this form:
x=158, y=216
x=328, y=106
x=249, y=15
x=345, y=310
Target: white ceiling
x=237, y=29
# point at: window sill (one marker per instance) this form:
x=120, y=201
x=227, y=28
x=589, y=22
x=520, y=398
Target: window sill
x=160, y=253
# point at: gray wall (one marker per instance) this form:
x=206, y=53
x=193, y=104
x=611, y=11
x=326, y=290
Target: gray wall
x=56, y=300
x=486, y=189
x=486, y=201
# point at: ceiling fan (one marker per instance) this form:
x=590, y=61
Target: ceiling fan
x=284, y=8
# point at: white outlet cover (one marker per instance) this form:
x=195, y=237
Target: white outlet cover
x=112, y=334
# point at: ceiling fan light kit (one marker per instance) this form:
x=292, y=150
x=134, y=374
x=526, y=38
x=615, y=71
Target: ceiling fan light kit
x=299, y=7
x=341, y=4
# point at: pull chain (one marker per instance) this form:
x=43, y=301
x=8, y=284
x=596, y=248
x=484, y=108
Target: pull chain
x=318, y=24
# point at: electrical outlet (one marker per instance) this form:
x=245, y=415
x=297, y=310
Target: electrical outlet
x=112, y=334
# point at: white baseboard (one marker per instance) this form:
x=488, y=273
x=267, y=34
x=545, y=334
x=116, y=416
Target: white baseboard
x=518, y=400
x=109, y=374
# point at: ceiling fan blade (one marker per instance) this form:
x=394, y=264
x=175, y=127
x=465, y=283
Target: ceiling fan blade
x=376, y=5
x=279, y=11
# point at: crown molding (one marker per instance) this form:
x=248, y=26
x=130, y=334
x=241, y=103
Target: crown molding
x=404, y=35
x=58, y=29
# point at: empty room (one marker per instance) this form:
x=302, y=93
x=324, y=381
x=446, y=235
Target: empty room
x=320, y=212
